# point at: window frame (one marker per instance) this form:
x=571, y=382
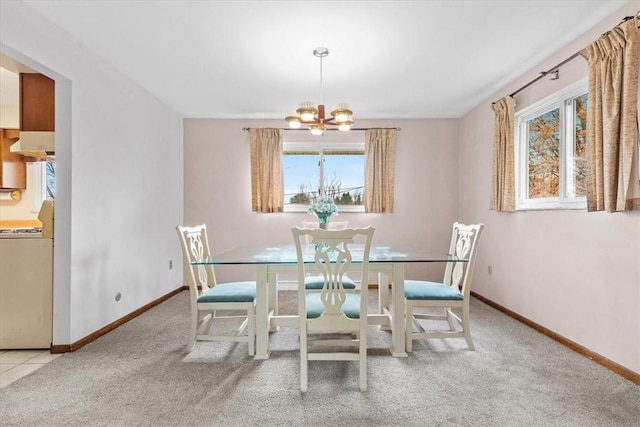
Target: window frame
x=39, y=183
x=563, y=100
x=320, y=147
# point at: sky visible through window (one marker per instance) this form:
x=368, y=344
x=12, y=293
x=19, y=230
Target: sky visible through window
x=303, y=171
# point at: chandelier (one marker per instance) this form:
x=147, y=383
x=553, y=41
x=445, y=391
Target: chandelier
x=313, y=116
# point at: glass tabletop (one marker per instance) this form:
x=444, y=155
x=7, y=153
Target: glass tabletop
x=286, y=254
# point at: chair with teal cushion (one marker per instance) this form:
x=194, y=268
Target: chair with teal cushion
x=453, y=292
x=211, y=302
x=332, y=308
x=314, y=281
x=317, y=282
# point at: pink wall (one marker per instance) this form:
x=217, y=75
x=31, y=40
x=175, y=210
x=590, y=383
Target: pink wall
x=218, y=189
x=573, y=272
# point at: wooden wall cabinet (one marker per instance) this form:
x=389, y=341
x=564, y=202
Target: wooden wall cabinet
x=37, y=102
x=13, y=169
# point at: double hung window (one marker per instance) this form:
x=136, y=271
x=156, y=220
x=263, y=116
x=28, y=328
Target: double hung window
x=334, y=170
x=550, y=144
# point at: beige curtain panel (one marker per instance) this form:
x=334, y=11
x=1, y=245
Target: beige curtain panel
x=502, y=177
x=379, y=150
x=612, y=126
x=266, y=170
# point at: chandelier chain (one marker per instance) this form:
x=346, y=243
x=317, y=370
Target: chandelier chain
x=321, y=86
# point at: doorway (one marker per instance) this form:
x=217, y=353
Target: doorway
x=14, y=60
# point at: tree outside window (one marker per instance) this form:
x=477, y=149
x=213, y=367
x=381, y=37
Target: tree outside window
x=335, y=171
x=550, y=145
x=544, y=155
x=51, y=180
x=578, y=159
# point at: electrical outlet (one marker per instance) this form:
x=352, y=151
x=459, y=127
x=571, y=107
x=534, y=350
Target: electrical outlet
x=490, y=271
x=170, y=264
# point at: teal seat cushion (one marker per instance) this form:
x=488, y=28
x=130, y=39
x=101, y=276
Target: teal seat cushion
x=351, y=306
x=423, y=290
x=230, y=292
x=316, y=282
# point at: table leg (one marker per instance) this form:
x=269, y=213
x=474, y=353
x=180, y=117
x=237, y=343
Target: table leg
x=272, y=286
x=262, y=313
x=383, y=292
x=383, y=296
x=398, y=322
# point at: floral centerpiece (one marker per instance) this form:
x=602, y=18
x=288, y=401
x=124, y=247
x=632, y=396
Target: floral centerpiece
x=323, y=208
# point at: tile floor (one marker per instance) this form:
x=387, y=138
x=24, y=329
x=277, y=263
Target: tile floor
x=15, y=364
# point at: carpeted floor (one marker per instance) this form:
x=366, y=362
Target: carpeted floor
x=140, y=375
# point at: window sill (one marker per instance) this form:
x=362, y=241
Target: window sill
x=552, y=207
x=341, y=209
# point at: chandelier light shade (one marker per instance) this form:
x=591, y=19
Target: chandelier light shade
x=313, y=116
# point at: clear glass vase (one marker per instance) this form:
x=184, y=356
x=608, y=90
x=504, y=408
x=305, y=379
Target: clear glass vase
x=323, y=220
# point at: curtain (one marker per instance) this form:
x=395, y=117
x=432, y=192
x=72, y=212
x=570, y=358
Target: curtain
x=266, y=170
x=379, y=150
x=612, y=125
x=502, y=177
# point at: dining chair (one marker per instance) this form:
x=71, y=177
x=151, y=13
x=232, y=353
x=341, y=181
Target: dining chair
x=334, y=310
x=314, y=281
x=453, y=292
x=212, y=301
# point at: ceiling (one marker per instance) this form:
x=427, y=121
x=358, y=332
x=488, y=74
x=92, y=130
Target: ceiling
x=388, y=59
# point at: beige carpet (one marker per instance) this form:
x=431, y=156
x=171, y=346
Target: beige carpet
x=140, y=375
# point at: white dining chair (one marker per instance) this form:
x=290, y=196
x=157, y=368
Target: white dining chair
x=332, y=309
x=453, y=292
x=313, y=281
x=211, y=302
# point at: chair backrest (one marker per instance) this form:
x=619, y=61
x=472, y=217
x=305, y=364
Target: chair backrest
x=337, y=225
x=195, y=246
x=331, y=225
x=332, y=254
x=309, y=224
x=464, y=244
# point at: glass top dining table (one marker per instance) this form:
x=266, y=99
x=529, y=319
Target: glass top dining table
x=286, y=254
x=387, y=261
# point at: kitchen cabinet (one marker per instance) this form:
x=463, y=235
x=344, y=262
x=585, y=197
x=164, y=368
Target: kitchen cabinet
x=13, y=169
x=37, y=102
x=26, y=293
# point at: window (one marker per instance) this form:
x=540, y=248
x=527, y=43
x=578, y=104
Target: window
x=44, y=181
x=330, y=169
x=550, y=141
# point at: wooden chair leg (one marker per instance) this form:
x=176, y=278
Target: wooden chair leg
x=194, y=331
x=466, y=327
x=304, y=381
x=363, y=358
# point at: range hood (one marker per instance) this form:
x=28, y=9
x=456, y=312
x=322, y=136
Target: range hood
x=38, y=144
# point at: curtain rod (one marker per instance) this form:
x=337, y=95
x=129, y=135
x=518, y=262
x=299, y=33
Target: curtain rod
x=551, y=70
x=331, y=129
x=555, y=68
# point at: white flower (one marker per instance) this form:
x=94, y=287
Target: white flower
x=324, y=205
